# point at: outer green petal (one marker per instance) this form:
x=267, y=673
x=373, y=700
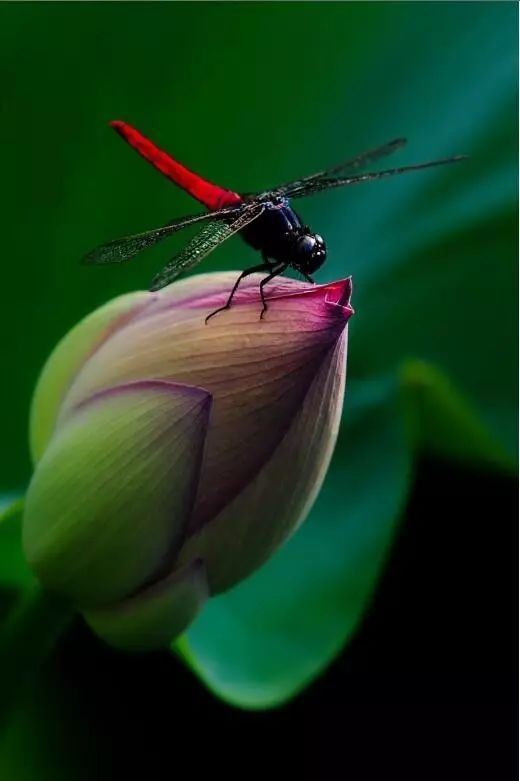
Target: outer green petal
x=66, y=360
x=156, y=615
x=113, y=491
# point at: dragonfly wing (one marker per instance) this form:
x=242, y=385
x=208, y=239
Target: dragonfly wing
x=347, y=166
x=361, y=161
x=317, y=185
x=211, y=235
x=121, y=250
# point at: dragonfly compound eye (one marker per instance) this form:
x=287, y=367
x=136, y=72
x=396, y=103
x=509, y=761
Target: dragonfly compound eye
x=311, y=251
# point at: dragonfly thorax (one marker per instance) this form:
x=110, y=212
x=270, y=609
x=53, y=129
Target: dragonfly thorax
x=282, y=237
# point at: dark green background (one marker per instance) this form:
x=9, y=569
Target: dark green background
x=251, y=95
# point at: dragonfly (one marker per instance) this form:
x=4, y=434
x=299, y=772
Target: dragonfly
x=265, y=220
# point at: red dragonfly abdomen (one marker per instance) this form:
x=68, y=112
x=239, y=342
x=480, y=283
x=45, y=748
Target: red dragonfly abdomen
x=211, y=195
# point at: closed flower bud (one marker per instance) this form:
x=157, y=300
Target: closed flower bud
x=174, y=457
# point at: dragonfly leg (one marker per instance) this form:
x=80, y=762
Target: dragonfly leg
x=260, y=267
x=308, y=277
x=274, y=273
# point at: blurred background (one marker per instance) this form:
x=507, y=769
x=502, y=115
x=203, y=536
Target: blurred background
x=250, y=95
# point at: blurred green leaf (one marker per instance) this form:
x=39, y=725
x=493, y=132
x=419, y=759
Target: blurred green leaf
x=443, y=423
x=14, y=572
x=463, y=288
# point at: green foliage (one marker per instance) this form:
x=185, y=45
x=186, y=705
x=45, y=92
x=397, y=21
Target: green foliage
x=15, y=572
x=433, y=255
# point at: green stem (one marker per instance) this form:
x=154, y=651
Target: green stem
x=27, y=637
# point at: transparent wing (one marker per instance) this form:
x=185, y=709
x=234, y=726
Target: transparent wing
x=125, y=248
x=360, y=161
x=351, y=165
x=317, y=185
x=211, y=235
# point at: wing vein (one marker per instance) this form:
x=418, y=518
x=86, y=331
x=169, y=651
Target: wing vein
x=211, y=235
x=125, y=248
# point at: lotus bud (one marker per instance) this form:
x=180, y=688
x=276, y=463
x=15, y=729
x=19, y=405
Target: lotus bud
x=172, y=458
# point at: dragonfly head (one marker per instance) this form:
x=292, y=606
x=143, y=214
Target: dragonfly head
x=310, y=252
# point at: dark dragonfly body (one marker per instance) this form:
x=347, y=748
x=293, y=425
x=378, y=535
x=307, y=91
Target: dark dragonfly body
x=283, y=240
x=266, y=221
x=280, y=235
